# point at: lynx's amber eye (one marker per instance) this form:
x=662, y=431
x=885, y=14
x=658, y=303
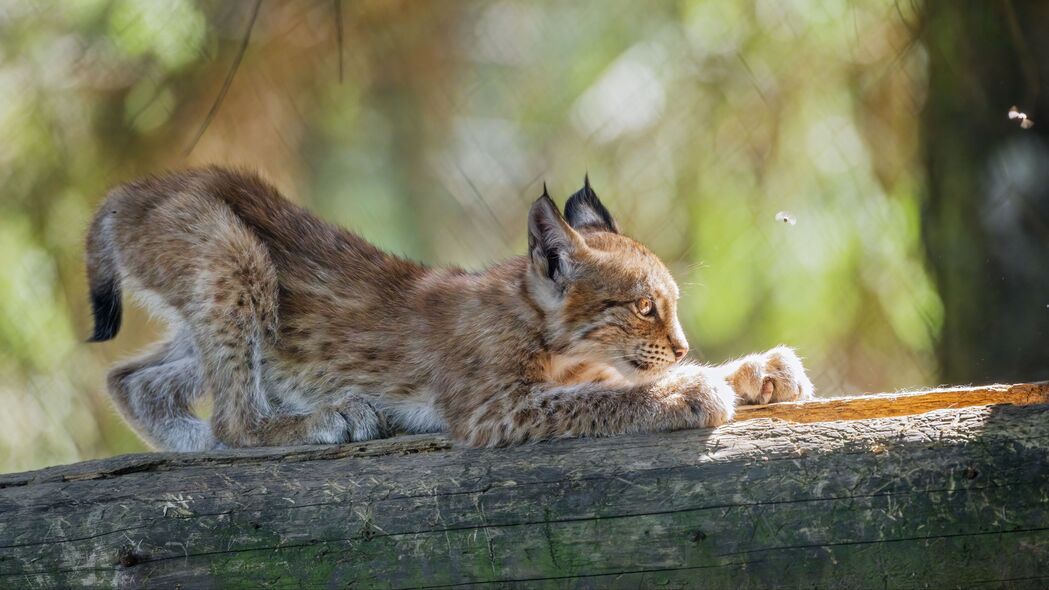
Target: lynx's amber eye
x=645, y=307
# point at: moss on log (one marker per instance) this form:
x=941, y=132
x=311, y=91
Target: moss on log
x=948, y=498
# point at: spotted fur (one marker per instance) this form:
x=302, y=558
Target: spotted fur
x=304, y=333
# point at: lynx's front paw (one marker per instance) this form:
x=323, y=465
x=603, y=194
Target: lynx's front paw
x=775, y=376
x=721, y=404
x=708, y=395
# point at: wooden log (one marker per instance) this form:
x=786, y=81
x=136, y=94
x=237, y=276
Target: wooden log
x=905, y=403
x=949, y=498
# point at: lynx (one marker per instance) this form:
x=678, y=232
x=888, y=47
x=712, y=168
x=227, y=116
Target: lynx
x=304, y=333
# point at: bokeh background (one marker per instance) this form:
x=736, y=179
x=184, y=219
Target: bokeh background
x=921, y=241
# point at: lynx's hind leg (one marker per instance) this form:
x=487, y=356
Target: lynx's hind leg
x=234, y=317
x=351, y=418
x=155, y=393
x=232, y=313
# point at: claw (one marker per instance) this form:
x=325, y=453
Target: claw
x=768, y=387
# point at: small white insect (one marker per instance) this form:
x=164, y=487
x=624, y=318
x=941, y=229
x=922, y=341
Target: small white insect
x=1025, y=123
x=784, y=217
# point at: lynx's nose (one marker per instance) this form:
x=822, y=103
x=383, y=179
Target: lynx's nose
x=677, y=341
x=680, y=350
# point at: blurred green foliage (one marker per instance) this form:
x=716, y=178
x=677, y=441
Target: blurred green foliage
x=697, y=120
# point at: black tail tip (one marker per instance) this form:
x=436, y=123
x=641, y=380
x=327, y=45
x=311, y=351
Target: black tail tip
x=106, y=308
x=101, y=336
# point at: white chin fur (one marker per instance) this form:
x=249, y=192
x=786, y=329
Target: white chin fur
x=635, y=376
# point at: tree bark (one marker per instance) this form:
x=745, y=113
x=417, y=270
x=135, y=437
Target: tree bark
x=948, y=498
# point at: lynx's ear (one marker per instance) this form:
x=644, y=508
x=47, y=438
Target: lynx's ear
x=585, y=211
x=552, y=243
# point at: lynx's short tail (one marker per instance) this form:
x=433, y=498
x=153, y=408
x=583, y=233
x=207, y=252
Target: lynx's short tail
x=103, y=275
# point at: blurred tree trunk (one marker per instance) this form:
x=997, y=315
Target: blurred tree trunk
x=986, y=213
x=412, y=64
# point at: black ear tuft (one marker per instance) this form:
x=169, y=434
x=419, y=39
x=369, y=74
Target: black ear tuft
x=585, y=211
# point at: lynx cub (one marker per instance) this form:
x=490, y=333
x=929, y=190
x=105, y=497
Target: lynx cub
x=306, y=334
